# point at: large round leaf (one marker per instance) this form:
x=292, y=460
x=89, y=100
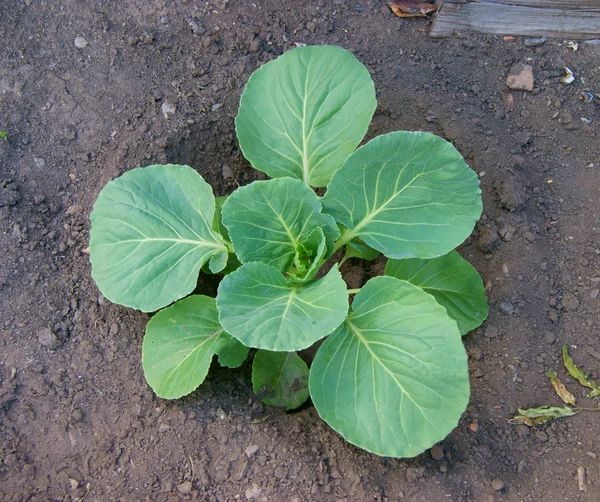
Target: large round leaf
x=151, y=233
x=304, y=113
x=393, y=378
x=269, y=220
x=180, y=343
x=280, y=379
x=454, y=283
x=406, y=194
x=262, y=309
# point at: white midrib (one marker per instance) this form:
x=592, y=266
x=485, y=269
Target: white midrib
x=305, y=167
x=351, y=234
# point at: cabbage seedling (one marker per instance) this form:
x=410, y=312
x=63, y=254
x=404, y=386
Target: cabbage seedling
x=391, y=375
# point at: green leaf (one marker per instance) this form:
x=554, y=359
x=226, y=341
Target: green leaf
x=151, y=233
x=3, y=135
x=304, y=113
x=393, y=378
x=541, y=415
x=577, y=373
x=406, y=194
x=358, y=249
x=262, y=309
x=453, y=282
x=179, y=345
x=218, y=218
x=280, y=379
x=269, y=220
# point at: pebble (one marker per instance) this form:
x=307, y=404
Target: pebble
x=529, y=237
x=48, y=339
x=520, y=77
x=73, y=483
x=227, y=172
x=414, y=473
x=39, y=162
x=185, y=487
x=491, y=332
x=523, y=431
x=507, y=308
x=535, y=42
x=168, y=109
x=476, y=353
x=570, y=302
x=541, y=436
x=553, y=315
x=549, y=337
x=437, y=452
x=498, y=484
x=253, y=492
x=251, y=450
x=81, y=43
x=594, y=293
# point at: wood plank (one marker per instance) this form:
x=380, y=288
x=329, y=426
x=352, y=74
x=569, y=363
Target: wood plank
x=503, y=19
x=551, y=4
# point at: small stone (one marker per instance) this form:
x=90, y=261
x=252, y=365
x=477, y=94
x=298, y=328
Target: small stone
x=251, y=450
x=520, y=77
x=570, y=302
x=473, y=426
x=253, y=492
x=437, y=452
x=476, y=353
x=254, y=45
x=39, y=163
x=529, y=237
x=488, y=238
x=478, y=373
x=185, y=487
x=414, y=473
x=541, y=436
x=549, y=337
x=48, y=339
x=523, y=431
x=534, y=42
x=498, y=484
x=553, y=315
x=215, y=107
x=491, y=332
x=507, y=308
x=227, y=172
x=77, y=415
x=594, y=293
x=73, y=483
x=81, y=43
x=168, y=109
x=195, y=26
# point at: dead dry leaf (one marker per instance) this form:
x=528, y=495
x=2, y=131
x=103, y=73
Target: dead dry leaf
x=560, y=388
x=411, y=8
x=537, y=416
x=577, y=373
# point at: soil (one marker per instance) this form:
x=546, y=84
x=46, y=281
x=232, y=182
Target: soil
x=89, y=90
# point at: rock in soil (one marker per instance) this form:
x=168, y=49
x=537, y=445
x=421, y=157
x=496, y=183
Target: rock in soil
x=520, y=77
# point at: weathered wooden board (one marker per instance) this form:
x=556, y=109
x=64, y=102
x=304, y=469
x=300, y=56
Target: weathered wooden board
x=551, y=18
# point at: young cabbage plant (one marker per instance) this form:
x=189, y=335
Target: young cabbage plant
x=391, y=374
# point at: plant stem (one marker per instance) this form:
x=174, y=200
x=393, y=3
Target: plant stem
x=352, y=291
x=344, y=239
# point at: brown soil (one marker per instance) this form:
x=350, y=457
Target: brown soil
x=77, y=420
